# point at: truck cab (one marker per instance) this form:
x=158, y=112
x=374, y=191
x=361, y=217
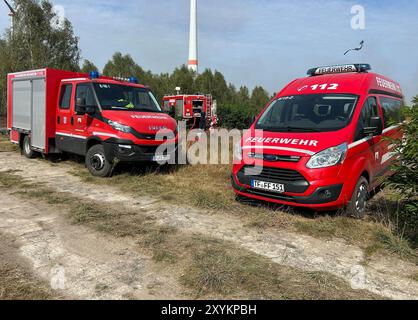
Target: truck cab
x=323, y=142
x=107, y=120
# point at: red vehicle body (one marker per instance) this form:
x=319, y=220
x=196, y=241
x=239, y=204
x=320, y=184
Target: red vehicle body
x=189, y=107
x=324, y=145
x=104, y=119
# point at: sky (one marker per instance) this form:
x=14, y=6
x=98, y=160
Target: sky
x=252, y=42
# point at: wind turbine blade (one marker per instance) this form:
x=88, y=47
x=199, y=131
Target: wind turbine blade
x=10, y=7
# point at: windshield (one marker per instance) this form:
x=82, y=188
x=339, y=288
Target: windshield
x=308, y=113
x=125, y=98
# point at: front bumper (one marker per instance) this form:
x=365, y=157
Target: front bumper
x=322, y=196
x=127, y=152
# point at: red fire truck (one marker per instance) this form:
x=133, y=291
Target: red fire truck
x=105, y=119
x=323, y=142
x=190, y=108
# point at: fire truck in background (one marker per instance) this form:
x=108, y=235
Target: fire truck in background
x=107, y=120
x=198, y=110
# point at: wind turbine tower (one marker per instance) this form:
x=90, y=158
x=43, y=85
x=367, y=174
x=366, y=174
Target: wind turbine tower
x=193, y=57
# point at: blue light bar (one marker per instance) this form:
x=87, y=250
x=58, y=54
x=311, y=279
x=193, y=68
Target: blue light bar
x=133, y=80
x=94, y=75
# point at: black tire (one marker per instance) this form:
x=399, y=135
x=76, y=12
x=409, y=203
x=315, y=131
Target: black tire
x=27, y=149
x=358, y=203
x=97, y=163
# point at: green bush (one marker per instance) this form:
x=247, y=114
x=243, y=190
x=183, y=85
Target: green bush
x=405, y=179
x=235, y=117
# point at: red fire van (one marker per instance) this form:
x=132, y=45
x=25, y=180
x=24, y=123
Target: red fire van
x=321, y=142
x=107, y=120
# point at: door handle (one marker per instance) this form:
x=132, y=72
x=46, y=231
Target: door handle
x=72, y=121
x=59, y=120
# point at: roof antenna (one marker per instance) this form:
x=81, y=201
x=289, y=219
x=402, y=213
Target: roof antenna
x=356, y=49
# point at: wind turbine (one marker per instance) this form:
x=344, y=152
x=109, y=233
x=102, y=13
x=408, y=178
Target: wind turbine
x=193, y=60
x=11, y=14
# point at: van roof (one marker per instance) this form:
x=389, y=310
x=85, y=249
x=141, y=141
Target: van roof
x=360, y=83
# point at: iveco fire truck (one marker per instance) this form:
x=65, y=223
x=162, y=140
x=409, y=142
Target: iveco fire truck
x=324, y=142
x=105, y=119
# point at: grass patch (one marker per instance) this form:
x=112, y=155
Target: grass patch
x=6, y=145
x=16, y=281
x=208, y=268
x=221, y=269
x=370, y=236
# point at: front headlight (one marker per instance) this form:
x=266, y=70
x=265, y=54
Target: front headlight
x=119, y=127
x=328, y=158
x=238, y=152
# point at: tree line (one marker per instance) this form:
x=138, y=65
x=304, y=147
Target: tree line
x=40, y=40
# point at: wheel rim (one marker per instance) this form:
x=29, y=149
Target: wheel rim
x=361, y=198
x=27, y=146
x=97, y=161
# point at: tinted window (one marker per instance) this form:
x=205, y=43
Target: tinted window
x=306, y=113
x=85, y=91
x=65, y=98
x=391, y=109
x=369, y=110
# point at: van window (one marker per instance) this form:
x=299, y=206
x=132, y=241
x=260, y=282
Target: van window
x=308, y=113
x=65, y=98
x=85, y=91
x=391, y=109
x=369, y=110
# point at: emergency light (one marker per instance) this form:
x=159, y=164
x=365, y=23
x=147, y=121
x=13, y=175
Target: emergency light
x=133, y=80
x=94, y=75
x=346, y=68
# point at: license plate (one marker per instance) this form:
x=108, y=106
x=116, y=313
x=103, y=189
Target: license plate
x=160, y=158
x=270, y=186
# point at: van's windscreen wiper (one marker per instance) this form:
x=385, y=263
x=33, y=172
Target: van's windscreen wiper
x=289, y=129
x=304, y=129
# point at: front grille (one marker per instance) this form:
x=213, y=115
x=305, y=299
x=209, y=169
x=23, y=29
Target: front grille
x=275, y=174
x=274, y=158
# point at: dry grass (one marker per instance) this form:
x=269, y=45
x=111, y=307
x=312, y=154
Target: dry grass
x=208, y=268
x=6, y=145
x=16, y=280
x=209, y=188
x=372, y=237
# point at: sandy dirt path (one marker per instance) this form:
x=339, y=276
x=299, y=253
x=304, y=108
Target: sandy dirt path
x=386, y=276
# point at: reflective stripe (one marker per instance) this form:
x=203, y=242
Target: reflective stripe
x=104, y=134
x=357, y=143
x=391, y=128
x=70, y=135
x=387, y=156
x=75, y=79
x=280, y=148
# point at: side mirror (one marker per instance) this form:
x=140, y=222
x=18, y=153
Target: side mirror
x=376, y=127
x=81, y=108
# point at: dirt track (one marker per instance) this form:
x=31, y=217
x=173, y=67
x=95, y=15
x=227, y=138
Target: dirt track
x=50, y=243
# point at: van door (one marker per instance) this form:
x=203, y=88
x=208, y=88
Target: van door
x=63, y=121
x=83, y=91
x=373, y=149
x=79, y=122
x=392, y=118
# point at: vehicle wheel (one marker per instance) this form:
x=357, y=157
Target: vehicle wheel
x=26, y=148
x=97, y=163
x=357, y=206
